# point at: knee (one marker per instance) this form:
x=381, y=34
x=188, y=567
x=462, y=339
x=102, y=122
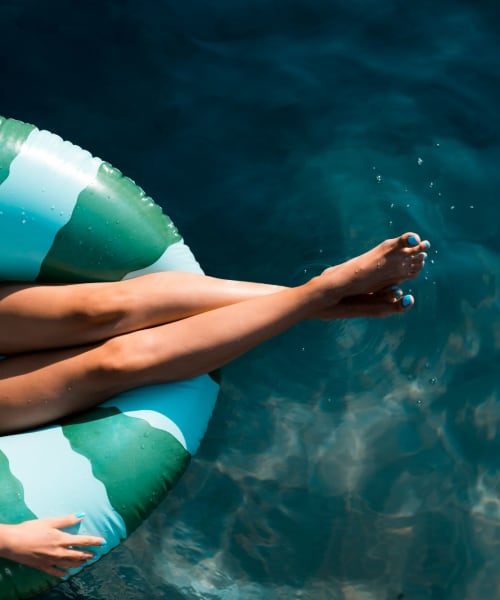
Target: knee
x=98, y=312
x=116, y=365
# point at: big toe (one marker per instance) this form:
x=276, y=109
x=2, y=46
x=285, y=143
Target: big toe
x=412, y=243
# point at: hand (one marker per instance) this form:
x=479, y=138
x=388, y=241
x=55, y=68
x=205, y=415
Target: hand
x=41, y=544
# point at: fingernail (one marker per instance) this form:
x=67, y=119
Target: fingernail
x=407, y=300
x=412, y=240
x=427, y=244
x=80, y=515
x=104, y=543
x=423, y=255
x=398, y=293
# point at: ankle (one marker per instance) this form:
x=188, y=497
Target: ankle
x=320, y=295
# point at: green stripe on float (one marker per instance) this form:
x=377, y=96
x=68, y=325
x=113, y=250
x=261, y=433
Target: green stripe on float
x=13, y=134
x=12, y=508
x=114, y=229
x=15, y=579
x=137, y=463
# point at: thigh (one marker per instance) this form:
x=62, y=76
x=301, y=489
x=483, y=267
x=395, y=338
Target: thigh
x=36, y=317
x=40, y=387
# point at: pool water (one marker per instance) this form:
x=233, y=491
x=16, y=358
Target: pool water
x=354, y=460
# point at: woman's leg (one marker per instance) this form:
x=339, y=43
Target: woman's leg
x=40, y=387
x=36, y=317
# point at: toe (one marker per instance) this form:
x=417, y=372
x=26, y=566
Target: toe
x=396, y=293
x=417, y=260
x=410, y=240
x=406, y=302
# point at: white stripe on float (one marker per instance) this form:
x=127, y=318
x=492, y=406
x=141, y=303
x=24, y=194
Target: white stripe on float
x=177, y=257
x=183, y=409
x=38, y=198
x=58, y=481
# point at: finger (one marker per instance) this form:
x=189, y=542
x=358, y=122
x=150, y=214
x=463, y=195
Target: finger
x=53, y=570
x=74, y=554
x=63, y=522
x=83, y=540
x=73, y=563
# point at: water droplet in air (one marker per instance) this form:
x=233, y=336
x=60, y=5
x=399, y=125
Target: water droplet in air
x=379, y=178
x=431, y=184
x=432, y=380
x=419, y=161
x=452, y=207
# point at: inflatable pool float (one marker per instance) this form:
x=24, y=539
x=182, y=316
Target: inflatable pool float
x=66, y=216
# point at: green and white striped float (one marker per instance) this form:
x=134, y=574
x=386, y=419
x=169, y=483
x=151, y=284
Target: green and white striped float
x=66, y=216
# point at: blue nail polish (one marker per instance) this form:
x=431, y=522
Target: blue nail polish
x=104, y=543
x=412, y=240
x=398, y=293
x=80, y=515
x=407, y=300
x=427, y=244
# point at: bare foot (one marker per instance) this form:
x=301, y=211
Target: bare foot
x=376, y=305
x=389, y=263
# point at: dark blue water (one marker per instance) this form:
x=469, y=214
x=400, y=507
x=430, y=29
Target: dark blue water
x=353, y=460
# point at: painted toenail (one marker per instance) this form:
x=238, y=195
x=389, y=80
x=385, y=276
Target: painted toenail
x=407, y=300
x=412, y=240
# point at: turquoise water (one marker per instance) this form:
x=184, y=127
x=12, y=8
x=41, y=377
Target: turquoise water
x=355, y=460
